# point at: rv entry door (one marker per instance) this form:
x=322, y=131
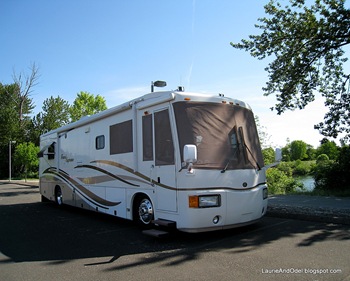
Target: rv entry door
x=163, y=174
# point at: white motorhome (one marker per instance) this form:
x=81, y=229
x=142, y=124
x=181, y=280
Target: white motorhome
x=175, y=158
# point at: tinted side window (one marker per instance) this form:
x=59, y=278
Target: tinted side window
x=100, y=142
x=163, y=139
x=51, y=151
x=147, y=137
x=120, y=138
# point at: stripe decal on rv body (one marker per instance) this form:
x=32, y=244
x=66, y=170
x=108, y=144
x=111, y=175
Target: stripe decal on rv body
x=107, y=173
x=87, y=194
x=102, y=203
x=142, y=176
x=128, y=169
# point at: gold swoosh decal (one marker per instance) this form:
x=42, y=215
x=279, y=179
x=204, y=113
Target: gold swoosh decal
x=128, y=169
x=83, y=191
x=107, y=173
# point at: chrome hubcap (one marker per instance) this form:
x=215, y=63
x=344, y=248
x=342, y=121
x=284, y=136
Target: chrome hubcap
x=59, y=197
x=146, y=211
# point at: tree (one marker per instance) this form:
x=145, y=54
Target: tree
x=15, y=107
x=9, y=125
x=264, y=137
x=268, y=155
x=310, y=152
x=25, y=84
x=55, y=113
x=333, y=176
x=11, y=128
x=298, y=150
x=25, y=158
x=86, y=104
x=286, y=152
x=329, y=148
x=307, y=45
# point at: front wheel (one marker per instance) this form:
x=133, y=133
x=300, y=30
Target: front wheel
x=144, y=212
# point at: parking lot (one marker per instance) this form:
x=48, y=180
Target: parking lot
x=39, y=241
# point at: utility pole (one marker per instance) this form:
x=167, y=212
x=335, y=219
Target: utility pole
x=10, y=164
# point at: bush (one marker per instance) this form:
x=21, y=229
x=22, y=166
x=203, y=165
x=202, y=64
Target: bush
x=297, y=168
x=321, y=158
x=302, y=168
x=334, y=176
x=26, y=159
x=268, y=155
x=286, y=168
x=323, y=173
x=279, y=182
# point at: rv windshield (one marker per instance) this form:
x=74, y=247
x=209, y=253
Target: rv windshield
x=225, y=135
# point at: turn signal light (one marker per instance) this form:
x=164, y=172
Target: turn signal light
x=193, y=201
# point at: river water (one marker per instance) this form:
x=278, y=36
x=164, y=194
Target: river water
x=308, y=182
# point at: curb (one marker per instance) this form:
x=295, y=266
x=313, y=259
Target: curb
x=29, y=183
x=339, y=216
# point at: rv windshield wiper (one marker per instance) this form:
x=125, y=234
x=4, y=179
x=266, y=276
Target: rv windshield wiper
x=229, y=160
x=226, y=166
x=251, y=154
x=247, y=149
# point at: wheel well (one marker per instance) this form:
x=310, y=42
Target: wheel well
x=137, y=198
x=56, y=189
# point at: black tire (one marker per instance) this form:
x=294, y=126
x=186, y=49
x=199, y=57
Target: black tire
x=58, y=196
x=143, y=211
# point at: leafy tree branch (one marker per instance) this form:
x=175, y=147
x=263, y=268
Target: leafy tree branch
x=307, y=46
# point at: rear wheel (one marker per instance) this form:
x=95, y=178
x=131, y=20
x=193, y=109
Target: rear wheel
x=58, y=196
x=143, y=211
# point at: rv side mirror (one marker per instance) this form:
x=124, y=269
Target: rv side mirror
x=278, y=155
x=190, y=153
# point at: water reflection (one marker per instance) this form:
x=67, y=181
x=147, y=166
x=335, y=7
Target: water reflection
x=307, y=181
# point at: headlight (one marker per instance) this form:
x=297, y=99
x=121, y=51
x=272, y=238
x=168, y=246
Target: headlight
x=204, y=201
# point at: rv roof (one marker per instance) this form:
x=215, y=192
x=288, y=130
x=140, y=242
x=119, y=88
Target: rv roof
x=149, y=100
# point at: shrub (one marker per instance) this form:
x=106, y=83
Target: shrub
x=25, y=158
x=286, y=168
x=279, y=182
x=302, y=168
x=322, y=157
x=268, y=155
x=334, y=176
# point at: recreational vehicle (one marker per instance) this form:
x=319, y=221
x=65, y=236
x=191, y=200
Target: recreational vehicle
x=184, y=160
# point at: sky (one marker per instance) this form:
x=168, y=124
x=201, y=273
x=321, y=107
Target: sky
x=115, y=48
